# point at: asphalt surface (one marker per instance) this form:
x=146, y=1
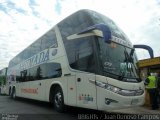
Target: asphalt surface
x=25, y=109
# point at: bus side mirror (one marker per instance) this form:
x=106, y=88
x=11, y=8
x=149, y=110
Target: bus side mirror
x=150, y=50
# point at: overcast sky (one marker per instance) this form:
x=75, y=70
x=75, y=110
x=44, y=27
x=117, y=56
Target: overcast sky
x=23, y=21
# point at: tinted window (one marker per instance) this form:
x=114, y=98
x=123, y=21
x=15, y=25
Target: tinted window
x=49, y=70
x=116, y=61
x=43, y=71
x=44, y=42
x=27, y=53
x=80, y=54
x=49, y=39
x=54, y=70
x=23, y=75
x=33, y=73
x=35, y=47
x=18, y=76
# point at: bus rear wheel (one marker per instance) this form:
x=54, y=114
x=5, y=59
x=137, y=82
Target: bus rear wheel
x=58, y=100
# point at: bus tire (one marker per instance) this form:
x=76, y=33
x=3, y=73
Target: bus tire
x=58, y=100
x=13, y=95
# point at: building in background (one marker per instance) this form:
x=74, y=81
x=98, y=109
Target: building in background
x=149, y=65
x=152, y=66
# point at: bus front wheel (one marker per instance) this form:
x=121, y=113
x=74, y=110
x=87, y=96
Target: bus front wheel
x=58, y=100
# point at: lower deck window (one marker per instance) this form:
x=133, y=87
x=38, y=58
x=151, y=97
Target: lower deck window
x=43, y=71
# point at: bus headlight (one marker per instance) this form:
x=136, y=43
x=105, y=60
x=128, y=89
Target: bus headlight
x=107, y=86
x=101, y=84
x=120, y=91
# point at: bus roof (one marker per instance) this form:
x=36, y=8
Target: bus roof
x=79, y=21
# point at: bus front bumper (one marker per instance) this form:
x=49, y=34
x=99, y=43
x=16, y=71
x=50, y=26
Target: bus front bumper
x=107, y=100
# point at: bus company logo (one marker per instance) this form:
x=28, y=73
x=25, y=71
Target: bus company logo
x=85, y=98
x=121, y=41
x=36, y=59
x=29, y=90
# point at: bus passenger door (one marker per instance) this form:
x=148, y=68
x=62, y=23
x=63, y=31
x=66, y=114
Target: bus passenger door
x=83, y=60
x=86, y=90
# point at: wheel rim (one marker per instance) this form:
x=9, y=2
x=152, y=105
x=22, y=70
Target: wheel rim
x=58, y=99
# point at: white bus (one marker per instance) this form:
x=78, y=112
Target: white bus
x=84, y=61
x=3, y=75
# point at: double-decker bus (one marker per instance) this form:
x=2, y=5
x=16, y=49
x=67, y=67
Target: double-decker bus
x=3, y=75
x=85, y=61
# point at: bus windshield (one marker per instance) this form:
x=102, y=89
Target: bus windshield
x=117, y=62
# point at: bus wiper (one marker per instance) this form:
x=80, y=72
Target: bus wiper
x=125, y=66
x=131, y=53
x=131, y=58
x=111, y=74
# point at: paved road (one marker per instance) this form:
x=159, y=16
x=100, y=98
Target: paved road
x=25, y=109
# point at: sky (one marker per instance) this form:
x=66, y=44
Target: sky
x=24, y=21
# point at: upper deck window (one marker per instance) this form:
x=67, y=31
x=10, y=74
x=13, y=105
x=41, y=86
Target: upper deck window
x=47, y=40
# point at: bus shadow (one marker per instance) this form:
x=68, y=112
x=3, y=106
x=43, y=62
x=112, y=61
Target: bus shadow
x=69, y=113
x=68, y=109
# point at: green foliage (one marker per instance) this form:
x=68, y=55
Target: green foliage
x=2, y=80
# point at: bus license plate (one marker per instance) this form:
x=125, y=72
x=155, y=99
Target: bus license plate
x=134, y=101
